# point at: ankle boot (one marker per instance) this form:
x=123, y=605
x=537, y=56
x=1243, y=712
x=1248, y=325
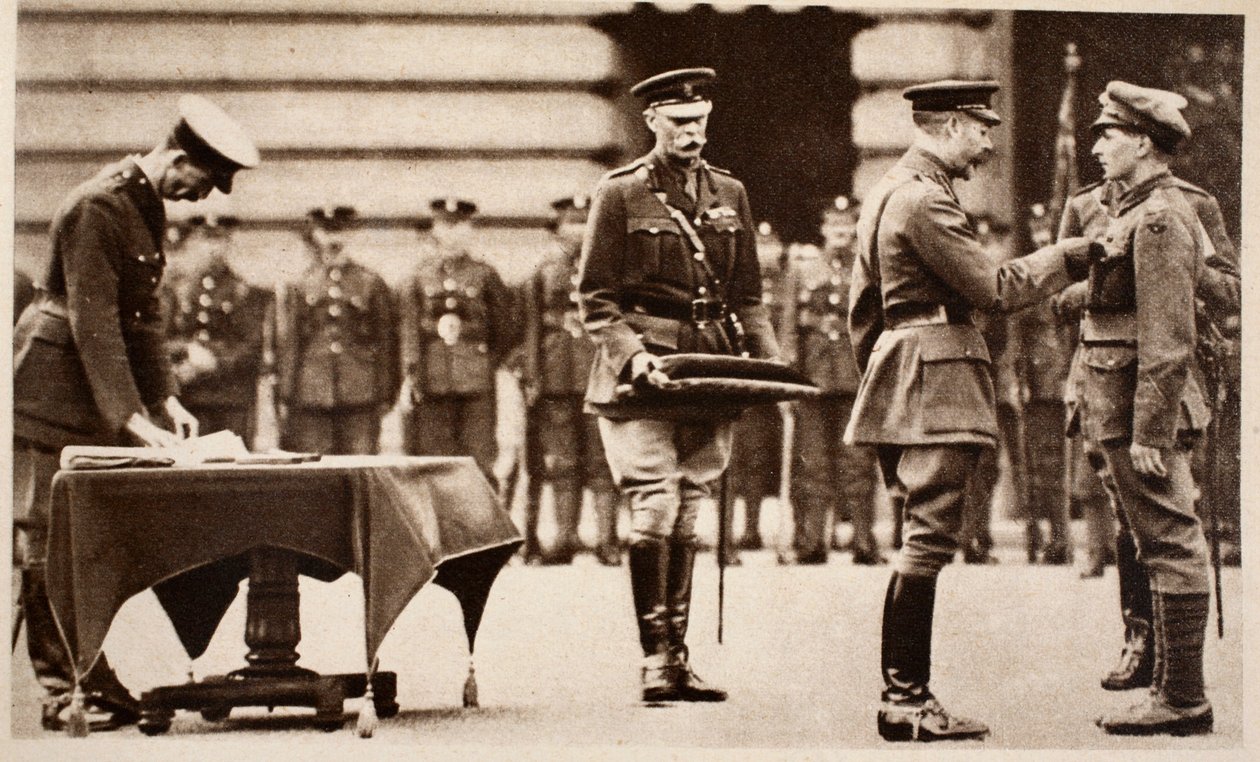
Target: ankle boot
x=1135, y=667
x=910, y=712
x=687, y=683
x=1176, y=705
x=649, y=568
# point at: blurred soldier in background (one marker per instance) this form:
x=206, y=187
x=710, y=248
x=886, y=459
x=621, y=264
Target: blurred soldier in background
x=976, y=537
x=215, y=329
x=337, y=346
x=832, y=481
x=457, y=328
x=1044, y=361
x=562, y=442
x=755, y=449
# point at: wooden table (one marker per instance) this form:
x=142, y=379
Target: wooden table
x=192, y=534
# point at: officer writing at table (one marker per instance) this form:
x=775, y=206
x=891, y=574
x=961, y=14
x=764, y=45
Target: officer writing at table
x=647, y=289
x=90, y=364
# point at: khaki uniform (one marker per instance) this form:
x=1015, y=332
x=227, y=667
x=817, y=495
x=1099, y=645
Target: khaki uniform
x=830, y=479
x=563, y=444
x=1140, y=382
x=338, y=358
x=212, y=306
x=457, y=328
x=926, y=397
x=89, y=354
x=639, y=277
x=757, y=446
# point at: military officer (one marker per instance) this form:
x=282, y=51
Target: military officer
x=457, y=329
x=926, y=395
x=215, y=330
x=831, y=479
x=668, y=265
x=1141, y=401
x=563, y=442
x=337, y=345
x=90, y=364
x=757, y=439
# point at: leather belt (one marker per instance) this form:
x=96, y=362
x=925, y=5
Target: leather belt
x=698, y=311
x=909, y=315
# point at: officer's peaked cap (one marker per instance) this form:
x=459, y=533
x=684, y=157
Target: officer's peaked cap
x=213, y=140
x=971, y=97
x=1146, y=109
x=677, y=93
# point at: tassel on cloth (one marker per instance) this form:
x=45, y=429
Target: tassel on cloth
x=367, y=722
x=76, y=720
x=470, y=687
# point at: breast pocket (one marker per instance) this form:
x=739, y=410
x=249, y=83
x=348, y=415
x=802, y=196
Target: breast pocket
x=957, y=390
x=651, y=241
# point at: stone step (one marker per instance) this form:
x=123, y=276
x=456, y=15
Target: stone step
x=236, y=49
x=358, y=119
x=267, y=255
x=287, y=188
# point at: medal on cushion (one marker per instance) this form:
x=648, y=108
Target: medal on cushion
x=448, y=328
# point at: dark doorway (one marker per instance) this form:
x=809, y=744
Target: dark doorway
x=781, y=120
x=1199, y=56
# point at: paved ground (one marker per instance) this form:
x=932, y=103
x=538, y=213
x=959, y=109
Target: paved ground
x=1020, y=647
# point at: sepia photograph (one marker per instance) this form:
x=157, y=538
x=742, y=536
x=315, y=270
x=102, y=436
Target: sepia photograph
x=583, y=378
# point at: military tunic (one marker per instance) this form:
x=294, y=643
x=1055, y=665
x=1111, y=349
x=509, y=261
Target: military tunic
x=926, y=396
x=338, y=358
x=457, y=328
x=1140, y=382
x=91, y=350
x=639, y=277
x=215, y=308
x=89, y=354
x=830, y=478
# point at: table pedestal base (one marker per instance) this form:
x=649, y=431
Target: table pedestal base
x=215, y=697
x=271, y=677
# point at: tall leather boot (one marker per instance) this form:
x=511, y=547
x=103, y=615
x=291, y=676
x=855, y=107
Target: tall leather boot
x=606, y=548
x=1135, y=667
x=689, y=686
x=1176, y=705
x=910, y=712
x=568, y=497
x=112, y=703
x=649, y=570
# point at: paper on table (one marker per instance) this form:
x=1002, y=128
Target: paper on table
x=221, y=446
